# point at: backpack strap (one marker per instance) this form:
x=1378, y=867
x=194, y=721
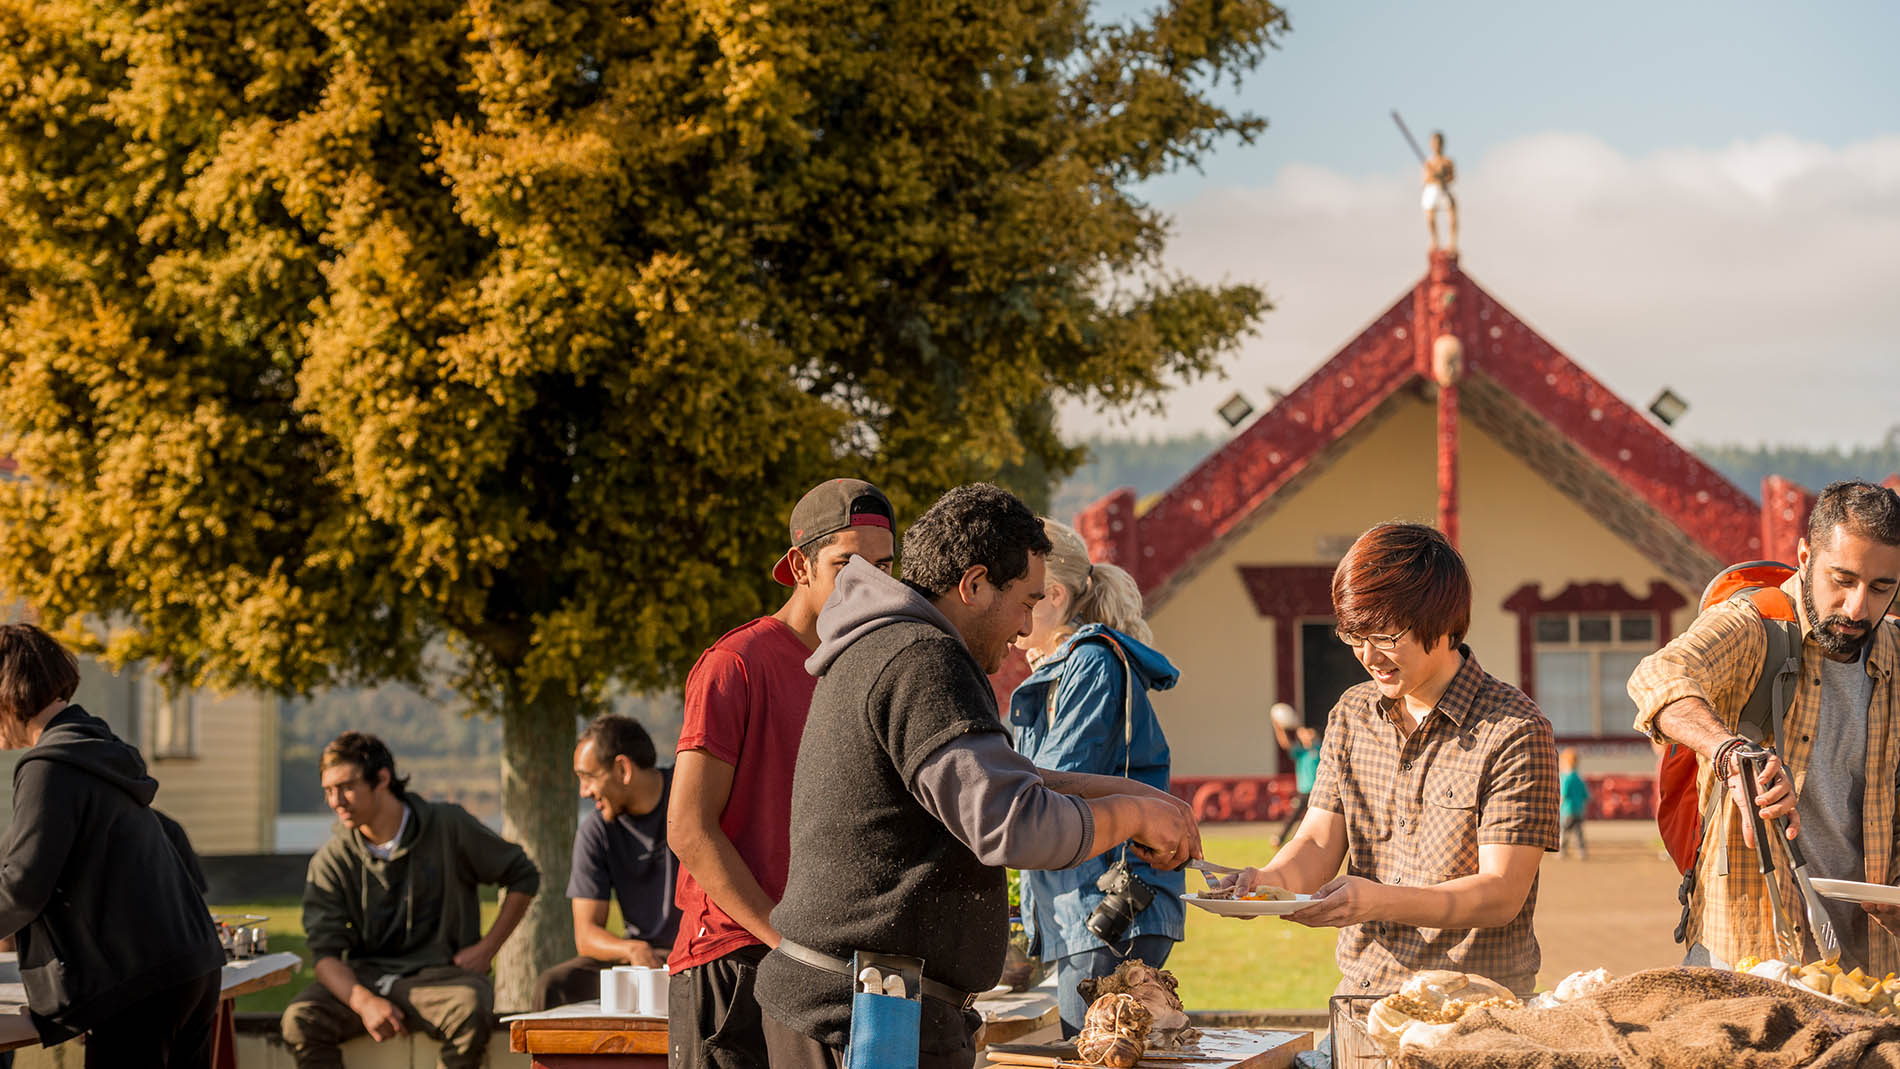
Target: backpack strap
x=1760, y=722
x=1128, y=707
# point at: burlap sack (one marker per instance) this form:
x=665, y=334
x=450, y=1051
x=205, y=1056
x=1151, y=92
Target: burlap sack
x=1672, y=1019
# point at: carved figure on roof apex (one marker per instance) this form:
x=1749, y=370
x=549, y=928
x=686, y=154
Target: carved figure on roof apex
x=1439, y=174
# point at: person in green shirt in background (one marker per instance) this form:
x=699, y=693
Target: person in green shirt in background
x=1574, y=798
x=1301, y=744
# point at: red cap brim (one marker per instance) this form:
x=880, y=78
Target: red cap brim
x=782, y=571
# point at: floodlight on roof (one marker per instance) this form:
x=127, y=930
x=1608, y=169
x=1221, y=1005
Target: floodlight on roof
x=1668, y=407
x=1235, y=410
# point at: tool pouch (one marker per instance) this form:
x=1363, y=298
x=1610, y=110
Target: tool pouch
x=885, y=1029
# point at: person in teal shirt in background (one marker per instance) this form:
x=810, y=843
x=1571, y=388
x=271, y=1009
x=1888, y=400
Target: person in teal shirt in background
x=1573, y=799
x=1301, y=744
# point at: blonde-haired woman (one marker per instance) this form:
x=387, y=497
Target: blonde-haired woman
x=1085, y=708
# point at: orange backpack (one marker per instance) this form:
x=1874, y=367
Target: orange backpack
x=1680, y=820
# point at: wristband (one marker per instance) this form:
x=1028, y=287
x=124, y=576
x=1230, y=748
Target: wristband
x=1724, y=766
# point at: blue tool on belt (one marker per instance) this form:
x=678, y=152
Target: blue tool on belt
x=886, y=1011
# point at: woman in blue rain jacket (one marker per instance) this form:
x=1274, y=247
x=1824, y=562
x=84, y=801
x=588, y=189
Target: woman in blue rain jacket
x=1087, y=644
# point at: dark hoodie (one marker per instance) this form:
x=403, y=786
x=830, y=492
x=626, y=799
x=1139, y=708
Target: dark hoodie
x=419, y=906
x=105, y=910
x=907, y=800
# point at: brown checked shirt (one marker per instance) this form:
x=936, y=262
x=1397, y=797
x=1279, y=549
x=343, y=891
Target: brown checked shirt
x=1718, y=660
x=1481, y=767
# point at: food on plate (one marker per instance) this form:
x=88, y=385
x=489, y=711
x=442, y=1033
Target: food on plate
x=1156, y=990
x=1115, y=1031
x=1262, y=893
x=1876, y=995
x=1419, y=1013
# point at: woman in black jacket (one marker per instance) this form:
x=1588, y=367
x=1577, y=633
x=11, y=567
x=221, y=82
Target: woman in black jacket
x=114, y=937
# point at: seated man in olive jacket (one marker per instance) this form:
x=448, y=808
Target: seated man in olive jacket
x=393, y=915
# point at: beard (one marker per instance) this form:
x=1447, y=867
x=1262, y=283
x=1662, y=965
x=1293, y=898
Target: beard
x=1828, y=632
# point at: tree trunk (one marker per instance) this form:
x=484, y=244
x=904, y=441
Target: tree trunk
x=538, y=809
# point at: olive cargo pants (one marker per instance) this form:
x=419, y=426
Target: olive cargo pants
x=446, y=1003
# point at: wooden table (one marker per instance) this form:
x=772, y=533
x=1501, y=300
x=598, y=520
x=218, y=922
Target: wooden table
x=1010, y=1015
x=1218, y=1048
x=239, y=978
x=582, y=1037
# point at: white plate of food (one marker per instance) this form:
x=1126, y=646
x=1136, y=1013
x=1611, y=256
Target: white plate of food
x=1260, y=902
x=1850, y=891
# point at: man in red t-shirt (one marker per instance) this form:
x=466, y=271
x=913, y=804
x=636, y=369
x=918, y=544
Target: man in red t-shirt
x=729, y=815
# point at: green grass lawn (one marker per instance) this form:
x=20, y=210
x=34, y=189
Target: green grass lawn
x=1262, y=964
x=1225, y=964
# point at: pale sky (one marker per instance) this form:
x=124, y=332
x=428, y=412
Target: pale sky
x=1702, y=196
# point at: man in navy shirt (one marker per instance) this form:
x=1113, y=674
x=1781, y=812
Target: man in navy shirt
x=619, y=850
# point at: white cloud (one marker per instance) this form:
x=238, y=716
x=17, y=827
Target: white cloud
x=1760, y=280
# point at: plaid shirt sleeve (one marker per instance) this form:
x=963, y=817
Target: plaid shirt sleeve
x=1717, y=660
x=1520, y=805
x=1325, y=792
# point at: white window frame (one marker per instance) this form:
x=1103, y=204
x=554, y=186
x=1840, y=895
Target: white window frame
x=1616, y=644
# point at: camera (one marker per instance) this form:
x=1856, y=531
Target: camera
x=1124, y=897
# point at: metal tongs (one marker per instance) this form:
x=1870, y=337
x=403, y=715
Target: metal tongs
x=1819, y=926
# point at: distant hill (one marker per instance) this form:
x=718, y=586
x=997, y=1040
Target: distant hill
x=448, y=753
x=1151, y=465
x=1747, y=465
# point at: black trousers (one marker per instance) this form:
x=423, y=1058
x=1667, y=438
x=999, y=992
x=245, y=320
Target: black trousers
x=171, y=1029
x=796, y=1050
x=574, y=980
x=713, y=1018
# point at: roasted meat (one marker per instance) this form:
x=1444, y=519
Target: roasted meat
x=1114, y=1033
x=1155, y=990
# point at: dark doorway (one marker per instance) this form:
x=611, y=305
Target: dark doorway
x=1327, y=668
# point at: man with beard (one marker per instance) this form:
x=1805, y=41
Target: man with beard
x=1840, y=737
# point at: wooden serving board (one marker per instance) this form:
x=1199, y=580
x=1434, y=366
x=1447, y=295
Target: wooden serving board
x=1218, y=1048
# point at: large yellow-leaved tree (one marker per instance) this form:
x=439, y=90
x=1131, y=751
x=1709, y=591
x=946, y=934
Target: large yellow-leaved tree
x=341, y=332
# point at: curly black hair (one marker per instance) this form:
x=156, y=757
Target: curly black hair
x=972, y=525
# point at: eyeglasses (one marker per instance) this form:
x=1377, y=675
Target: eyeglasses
x=1382, y=643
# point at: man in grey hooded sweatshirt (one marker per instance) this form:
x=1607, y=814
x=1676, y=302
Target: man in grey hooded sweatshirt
x=909, y=800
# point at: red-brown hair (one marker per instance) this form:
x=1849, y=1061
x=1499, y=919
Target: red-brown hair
x=1401, y=577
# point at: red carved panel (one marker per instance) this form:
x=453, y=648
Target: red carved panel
x=1394, y=351
x=1448, y=462
x=1289, y=591
x=1238, y=478
x=1694, y=496
x=1527, y=601
x=1785, y=505
x=1108, y=528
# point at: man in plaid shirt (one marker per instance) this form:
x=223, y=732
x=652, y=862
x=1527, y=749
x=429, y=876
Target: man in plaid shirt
x=1840, y=739
x=1437, y=784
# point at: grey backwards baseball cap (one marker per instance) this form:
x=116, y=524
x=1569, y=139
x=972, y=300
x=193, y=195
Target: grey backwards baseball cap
x=831, y=507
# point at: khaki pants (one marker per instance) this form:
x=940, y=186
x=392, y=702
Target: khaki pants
x=445, y=1003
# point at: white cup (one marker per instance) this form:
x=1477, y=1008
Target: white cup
x=618, y=993
x=649, y=986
